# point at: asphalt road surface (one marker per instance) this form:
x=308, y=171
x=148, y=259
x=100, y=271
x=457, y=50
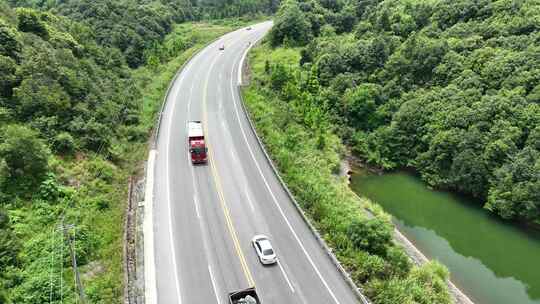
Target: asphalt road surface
x=205, y=215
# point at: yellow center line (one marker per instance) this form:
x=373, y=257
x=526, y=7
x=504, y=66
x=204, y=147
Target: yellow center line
x=219, y=188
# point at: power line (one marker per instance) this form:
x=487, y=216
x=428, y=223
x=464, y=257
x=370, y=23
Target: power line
x=62, y=268
x=51, y=268
x=71, y=240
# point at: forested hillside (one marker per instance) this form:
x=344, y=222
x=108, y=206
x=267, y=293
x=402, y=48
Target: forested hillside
x=449, y=88
x=135, y=26
x=75, y=117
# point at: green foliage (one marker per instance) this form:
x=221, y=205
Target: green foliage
x=55, y=83
x=360, y=104
x=64, y=144
x=291, y=26
x=135, y=27
x=9, y=243
x=7, y=76
x=9, y=42
x=517, y=187
x=279, y=76
x=66, y=85
x=294, y=121
x=424, y=285
x=449, y=88
x=372, y=235
x=30, y=21
x=24, y=157
x=218, y=9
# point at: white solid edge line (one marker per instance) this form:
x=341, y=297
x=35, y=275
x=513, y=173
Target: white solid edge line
x=196, y=202
x=270, y=190
x=150, y=284
x=213, y=283
x=242, y=60
x=244, y=57
x=285, y=275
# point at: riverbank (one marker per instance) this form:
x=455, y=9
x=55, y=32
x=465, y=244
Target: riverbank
x=420, y=259
x=348, y=166
x=490, y=259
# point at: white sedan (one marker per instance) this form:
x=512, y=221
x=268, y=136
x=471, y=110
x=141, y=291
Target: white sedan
x=264, y=249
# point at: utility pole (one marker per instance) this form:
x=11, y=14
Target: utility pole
x=78, y=282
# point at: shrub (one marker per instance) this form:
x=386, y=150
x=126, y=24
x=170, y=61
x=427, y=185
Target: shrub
x=424, y=285
x=30, y=21
x=25, y=157
x=279, y=76
x=373, y=235
x=64, y=143
x=9, y=43
x=291, y=26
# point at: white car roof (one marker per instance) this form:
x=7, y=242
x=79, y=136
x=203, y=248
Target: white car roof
x=265, y=244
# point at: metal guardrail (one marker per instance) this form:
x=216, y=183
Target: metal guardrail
x=155, y=134
x=129, y=247
x=357, y=291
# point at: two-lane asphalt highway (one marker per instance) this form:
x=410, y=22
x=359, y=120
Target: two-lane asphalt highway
x=205, y=216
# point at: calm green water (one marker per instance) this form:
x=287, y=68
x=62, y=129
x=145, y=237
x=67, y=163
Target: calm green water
x=491, y=261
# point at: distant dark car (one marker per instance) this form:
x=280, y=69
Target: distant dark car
x=249, y=28
x=222, y=47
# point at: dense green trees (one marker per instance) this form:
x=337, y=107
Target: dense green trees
x=74, y=122
x=216, y=9
x=23, y=159
x=291, y=25
x=449, y=88
x=516, y=190
x=58, y=82
x=136, y=26
x=9, y=243
x=9, y=44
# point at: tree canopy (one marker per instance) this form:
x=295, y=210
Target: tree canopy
x=74, y=121
x=450, y=88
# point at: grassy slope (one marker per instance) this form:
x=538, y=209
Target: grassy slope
x=308, y=168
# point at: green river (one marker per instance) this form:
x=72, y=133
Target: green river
x=493, y=262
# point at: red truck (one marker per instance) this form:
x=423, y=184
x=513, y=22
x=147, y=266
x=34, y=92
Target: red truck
x=196, y=144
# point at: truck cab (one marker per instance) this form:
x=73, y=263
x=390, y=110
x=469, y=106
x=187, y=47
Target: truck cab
x=196, y=143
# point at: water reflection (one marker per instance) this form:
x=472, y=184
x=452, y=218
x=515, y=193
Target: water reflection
x=493, y=261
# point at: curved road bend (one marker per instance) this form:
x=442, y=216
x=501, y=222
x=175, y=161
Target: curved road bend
x=205, y=216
